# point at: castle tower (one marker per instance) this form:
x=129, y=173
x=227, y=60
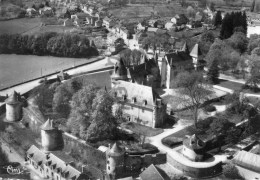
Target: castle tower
x=51, y=137
x=115, y=157
x=120, y=73
x=195, y=53
x=13, y=107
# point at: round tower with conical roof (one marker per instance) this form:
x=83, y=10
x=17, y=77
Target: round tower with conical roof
x=13, y=107
x=120, y=72
x=115, y=157
x=51, y=137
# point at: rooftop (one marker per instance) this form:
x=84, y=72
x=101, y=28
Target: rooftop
x=151, y=173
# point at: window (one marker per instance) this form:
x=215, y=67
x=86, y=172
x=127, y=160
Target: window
x=108, y=167
x=133, y=99
x=144, y=102
x=124, y=97
x=107, y=161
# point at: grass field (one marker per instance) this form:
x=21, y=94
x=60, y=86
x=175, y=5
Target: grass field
x=142, y=11
x=18, y=68
x=19, y=25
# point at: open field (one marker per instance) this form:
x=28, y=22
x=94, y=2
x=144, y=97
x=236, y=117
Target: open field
x=18, y=68
x=19, y=25
x=142, y=11
x=54, y=28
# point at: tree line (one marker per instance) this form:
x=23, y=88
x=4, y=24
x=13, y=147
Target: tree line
x=48, y=43
x=231, y=22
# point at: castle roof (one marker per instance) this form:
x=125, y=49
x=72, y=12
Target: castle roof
x=195, y=52
x=116, y=150
x=151, y=173
x=47, y=125
x=141, y=93
x=13, y=98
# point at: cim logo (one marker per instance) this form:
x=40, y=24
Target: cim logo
x=14, y=170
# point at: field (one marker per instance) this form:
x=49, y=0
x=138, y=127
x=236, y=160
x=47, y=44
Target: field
x=142, y=11
x=19, y=25
x=18, y=68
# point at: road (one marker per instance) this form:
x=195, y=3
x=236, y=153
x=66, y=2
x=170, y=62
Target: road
x=95, y=66
x=13, y=156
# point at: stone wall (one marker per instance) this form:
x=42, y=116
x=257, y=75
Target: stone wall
x=194, y=171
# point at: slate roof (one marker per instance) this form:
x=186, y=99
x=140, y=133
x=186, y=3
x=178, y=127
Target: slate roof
x=140, y=92
x=248, y=160
x=178, y=56
x=36, y=154
x=151, y=173
x=13, y=98
x=195, y=52
x=116, y=150
x=47, y=125
x=142, y=69
x=58, y=165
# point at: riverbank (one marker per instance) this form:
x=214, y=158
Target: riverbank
x=16, y=69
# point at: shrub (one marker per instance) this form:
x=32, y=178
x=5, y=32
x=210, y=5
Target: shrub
x=210, y=108
x=231, y=171
x=171, y=141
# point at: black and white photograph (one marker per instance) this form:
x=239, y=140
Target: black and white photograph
x=129, y=89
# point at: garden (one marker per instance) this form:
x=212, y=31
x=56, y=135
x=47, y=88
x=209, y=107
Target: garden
x=221, y=122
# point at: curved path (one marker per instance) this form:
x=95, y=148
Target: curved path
x=156, y=141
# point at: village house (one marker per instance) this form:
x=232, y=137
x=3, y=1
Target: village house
x=109, y=22
x=46, y=11
x=31, y=12
x=180, y=19
x=152, y=173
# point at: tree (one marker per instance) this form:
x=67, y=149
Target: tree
x=103, y=125
x=3, y=157
x=191, y=12
x=218, y=19
x=119, y=44
x=231, y=171
x=238, y=41
x=254, y=78
x=219, y=128
x=81, y=109
x=193, y=91
x=256, y=51
x=207, y=36
x=67, y=14
x=213, y=72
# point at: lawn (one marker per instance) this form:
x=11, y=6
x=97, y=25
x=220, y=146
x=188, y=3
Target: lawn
x=19, y=26
x=141, y=129
x=140, y=11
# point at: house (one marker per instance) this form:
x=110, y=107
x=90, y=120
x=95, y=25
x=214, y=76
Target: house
x=193, y=148
x=196, y=56
x=153, y=173
x=31, y=12
x=108, y=22
x=68, y=22
x=46, y=11
x=169, y=25
x=49, y=165
x=180, y=19
x=140, y=104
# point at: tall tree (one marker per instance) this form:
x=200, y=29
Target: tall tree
x=218, y=19
x=219, y=128
x=104, y=124
x=213, y=72
x=254, y=79
x=193, y=91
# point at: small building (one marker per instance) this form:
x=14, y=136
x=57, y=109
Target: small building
x=193, y=148
x=13, y=107
x=46, y=11
x=247, y=160
x=108, y=22
x=31, y=12
x=196, y=56
x=152, y=173
x=180, y=19
x=48, y=165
